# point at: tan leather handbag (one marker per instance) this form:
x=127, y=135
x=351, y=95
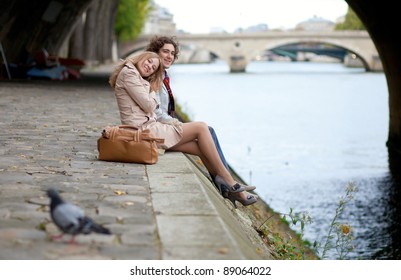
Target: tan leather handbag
x=125, y=143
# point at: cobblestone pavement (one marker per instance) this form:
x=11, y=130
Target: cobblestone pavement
x=48, y=133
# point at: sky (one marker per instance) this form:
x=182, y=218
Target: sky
x=203, y=16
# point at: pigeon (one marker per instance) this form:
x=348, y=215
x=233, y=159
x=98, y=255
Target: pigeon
x=71, y=219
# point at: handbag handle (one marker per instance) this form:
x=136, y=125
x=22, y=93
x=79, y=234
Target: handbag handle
x=157, y=140
x=137, y=135
x=148, y=138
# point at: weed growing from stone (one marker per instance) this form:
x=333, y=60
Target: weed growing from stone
x=342, y=233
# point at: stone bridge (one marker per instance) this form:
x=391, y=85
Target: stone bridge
x=239, y=49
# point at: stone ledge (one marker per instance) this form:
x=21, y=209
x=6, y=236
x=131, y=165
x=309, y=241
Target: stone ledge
x=193, y=219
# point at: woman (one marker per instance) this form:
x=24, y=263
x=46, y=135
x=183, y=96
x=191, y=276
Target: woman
x=168, y=50
x=135, y=81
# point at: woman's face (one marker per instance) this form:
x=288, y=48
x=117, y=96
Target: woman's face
x=148, y=66
x=167, y=53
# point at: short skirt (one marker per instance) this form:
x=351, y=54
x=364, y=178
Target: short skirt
x=171, y=134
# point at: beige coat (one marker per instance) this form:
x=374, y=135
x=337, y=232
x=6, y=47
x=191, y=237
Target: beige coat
x=137, y=106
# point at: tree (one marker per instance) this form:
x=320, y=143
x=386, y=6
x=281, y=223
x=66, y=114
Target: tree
x=351, y=22
x=131, y=16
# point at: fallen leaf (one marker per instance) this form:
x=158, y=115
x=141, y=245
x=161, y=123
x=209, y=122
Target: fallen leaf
x=223, y=250
x=128, y=203
x=118, y=192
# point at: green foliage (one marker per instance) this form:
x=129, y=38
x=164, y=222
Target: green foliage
x=287, y=247
x=301, y=218
x=352, y=22
x=285, y=250
x=181, y=114
x=131, y=16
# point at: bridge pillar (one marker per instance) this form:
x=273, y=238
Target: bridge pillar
x=238, y=63
x=376, y=64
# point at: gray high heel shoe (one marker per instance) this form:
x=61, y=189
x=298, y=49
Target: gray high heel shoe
x=219, y=181
x=225, y=193
x=250, y=199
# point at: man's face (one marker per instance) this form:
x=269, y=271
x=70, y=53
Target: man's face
x=167, y=53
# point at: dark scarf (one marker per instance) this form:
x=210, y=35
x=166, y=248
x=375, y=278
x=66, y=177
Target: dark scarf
x=171, y=104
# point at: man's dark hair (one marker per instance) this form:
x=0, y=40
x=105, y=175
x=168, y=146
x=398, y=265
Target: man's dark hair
x=157, y=42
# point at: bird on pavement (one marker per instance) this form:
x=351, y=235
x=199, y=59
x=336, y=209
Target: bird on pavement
x=71, y=219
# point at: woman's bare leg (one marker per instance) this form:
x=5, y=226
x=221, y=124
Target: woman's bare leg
x=193, y=149
x=199, y=131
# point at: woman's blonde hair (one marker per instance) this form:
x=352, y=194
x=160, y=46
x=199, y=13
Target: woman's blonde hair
x=155, y=80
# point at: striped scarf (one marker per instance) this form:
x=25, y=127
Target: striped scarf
x=171, y=103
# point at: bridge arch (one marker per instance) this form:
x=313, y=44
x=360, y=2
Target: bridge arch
x=349, y=48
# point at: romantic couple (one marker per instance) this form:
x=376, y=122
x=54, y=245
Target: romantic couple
x=145, y=100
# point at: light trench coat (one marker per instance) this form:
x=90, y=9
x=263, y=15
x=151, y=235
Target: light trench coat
x=137, y=106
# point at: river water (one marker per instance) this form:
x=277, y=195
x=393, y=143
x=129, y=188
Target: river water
x=301, y=132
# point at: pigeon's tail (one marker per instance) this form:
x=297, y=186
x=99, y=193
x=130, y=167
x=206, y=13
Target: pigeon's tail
x=100, y=229
x=88, y=226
